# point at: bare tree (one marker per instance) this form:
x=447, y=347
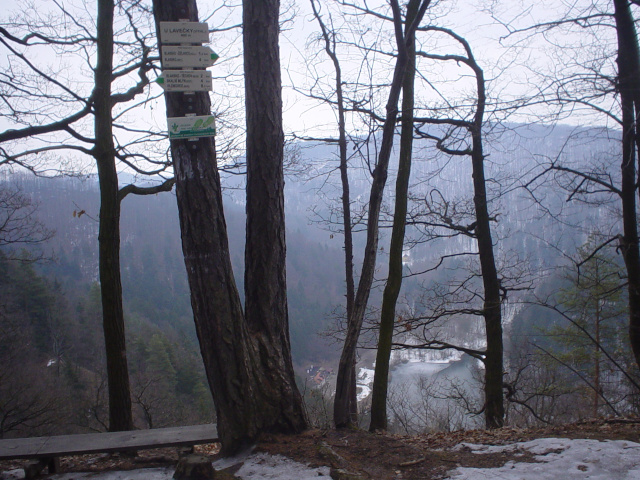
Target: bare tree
x=342, y=414
x=628, y=84
x=19, y=224
x=329, y=37
x=394, y=279
x=601, y=78
x=461, y=137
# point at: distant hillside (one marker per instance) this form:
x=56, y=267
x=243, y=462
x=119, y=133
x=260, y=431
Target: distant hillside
x=153, y=274
x=154, y=280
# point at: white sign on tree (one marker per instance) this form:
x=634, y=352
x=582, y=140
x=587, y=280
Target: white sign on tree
x=185, y=80
x=193, y=76
x=184, y=32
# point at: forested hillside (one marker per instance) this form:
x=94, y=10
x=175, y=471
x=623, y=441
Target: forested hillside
x=53, y=327
x=55, y=305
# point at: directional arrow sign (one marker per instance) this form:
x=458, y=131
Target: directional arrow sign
x=184, y=57
x=185, y=80
x=189, y=127
x=184, y=32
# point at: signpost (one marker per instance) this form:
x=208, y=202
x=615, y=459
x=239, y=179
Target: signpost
x=184, y=32
x=189, y=127
x=187, y=56
x=185, y=80
x=182, y=54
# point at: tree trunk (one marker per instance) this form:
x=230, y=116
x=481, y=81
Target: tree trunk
x=342, y=415
x=394, y=280
x=344, y=180
x=265, y=263
x=629, y=87
x=492, y=310
x=249, y=398
x=596, y=358
x=346, y=219
x=120, y=417
x=346, y=368
x=217, y=309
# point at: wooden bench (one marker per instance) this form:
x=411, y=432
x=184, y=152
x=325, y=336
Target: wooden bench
x=48, y=450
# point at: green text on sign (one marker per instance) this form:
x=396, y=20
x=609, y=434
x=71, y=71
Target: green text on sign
x=191, y=127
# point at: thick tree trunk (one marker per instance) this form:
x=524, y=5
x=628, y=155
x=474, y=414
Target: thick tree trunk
x=217, y=309
x=629, y=86
x=248, y=366
x=120, y=417
x=394, y=280
x=265, y=264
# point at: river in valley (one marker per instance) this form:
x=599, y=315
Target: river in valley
x=427, y=396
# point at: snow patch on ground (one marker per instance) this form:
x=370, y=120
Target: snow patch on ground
x=263, y=466
x=560, y=458
x=12, y=474
x=258, y=466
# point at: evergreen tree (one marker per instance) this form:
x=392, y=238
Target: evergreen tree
x=594, y=305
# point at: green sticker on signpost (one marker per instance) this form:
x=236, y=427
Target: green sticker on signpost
x=191, y=127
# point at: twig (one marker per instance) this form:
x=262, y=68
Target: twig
x=412, y=462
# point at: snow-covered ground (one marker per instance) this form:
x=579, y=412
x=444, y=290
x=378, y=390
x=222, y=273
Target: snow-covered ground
x=257, y=466
x=555, y=459
x=559, y=459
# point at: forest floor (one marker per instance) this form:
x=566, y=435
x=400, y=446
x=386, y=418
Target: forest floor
x=431, y=456
x=373, y=456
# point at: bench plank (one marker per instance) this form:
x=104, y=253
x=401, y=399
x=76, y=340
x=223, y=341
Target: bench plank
x=61, y=445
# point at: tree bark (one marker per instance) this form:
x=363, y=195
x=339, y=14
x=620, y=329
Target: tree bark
x=248, y=364
x=265, y=252
x=629, y=87
x=217, y=309
x=120, y=417
x=394, y=280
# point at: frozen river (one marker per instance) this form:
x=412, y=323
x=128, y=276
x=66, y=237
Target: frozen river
x=432, y=395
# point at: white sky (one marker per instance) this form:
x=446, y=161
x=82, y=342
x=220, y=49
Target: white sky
x=512, y=67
